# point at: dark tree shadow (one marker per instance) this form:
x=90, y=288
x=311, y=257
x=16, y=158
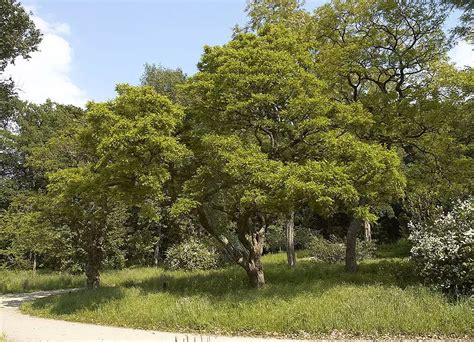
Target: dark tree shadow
x=72, y=302
x=282, y=282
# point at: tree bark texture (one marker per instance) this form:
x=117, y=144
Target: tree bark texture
x=367, y=231
x=290, y=240
x=351, y=242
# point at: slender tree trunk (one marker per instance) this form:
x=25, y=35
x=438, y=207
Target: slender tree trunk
x=34, y=262
x=367, y=231
x=157, y=248
x=351, y=241
x=290, y=240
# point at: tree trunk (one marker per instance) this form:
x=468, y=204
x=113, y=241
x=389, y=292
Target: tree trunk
x=157, y=248
x=34, y=262
x=367, y=231
x=351, y=241
x=94, y=261
x=255, y=273
x=290, y=240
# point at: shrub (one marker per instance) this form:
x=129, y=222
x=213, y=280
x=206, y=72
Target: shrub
x=333, y=250
x=443, y=249
x=275, y=237
x=327, y=251
x=192, y=254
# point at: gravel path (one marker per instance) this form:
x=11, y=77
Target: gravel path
x=18, y=327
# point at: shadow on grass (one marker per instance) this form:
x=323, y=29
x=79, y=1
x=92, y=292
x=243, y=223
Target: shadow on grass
x=231, y=284
x=81, y=300
x=282, y=282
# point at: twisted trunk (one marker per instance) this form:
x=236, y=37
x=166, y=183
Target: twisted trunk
x=290, y=240
x=351, y=242
x=252, y=241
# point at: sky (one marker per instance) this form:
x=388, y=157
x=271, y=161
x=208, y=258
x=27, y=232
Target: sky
x=91, y=45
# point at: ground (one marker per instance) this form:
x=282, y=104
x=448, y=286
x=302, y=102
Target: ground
x=385, y=298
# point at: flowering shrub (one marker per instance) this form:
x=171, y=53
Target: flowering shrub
x=191, y=255
x=443, y=249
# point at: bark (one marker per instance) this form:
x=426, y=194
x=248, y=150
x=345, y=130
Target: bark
x=34, y=262
x=255, y=273
x=156, y=255
x=94, y=261
x=290, y=240
x=252, y=240
x=351, y=241
x=367, y=231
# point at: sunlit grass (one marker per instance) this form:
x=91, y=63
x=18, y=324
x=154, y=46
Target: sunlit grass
x=27, y=281
x=314, y=299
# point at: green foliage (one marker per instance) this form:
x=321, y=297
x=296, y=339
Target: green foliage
x=163, y=80
x=399, y=249
x=191, y=254
x=275, y=239
x=19, y=37
x=327, y=251
x=333, y=250
x=384, y=298
x=443, y=249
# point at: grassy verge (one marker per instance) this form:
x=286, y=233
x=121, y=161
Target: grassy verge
x=315, y=299
x=27, y=281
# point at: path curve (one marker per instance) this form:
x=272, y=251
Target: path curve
x=18, y=327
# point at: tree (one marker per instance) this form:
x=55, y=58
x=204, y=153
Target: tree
x=389, y=56
x=19, y=38
x=163, y=80
x=261, y=89
x=128, y=147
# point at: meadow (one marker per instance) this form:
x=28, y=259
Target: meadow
x=384, y=298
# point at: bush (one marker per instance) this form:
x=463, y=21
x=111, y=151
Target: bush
x=333, y=250
x=275, y=237
x=327, y=251
x=443, y=249
x=192, y=254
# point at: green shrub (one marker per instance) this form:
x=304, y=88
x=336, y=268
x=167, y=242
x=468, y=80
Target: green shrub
x=333, y=250
x=275, y=237
x=192, y=254
x=443, y=249
x=327, y=251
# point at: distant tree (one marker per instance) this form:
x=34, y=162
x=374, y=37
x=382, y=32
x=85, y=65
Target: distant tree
x=287, y=12
x=390, y=57
x=163, y=80
x=18, y=37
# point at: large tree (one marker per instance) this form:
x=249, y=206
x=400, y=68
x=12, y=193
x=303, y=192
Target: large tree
x=128, y=147
x=261, y=88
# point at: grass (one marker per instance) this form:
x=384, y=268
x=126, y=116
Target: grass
x=27, y=281
x=398, y=249
x=315, y=299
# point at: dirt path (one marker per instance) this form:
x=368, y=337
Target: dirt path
x=18, y=327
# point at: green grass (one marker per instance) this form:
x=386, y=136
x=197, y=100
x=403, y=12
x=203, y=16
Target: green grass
x=315, y=299
x=398, y=249
x=27, y=281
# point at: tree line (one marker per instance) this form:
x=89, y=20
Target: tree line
x=352, y=111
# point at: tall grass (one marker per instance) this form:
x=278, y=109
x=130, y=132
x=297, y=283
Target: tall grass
x=27, y=281
x=314, y=299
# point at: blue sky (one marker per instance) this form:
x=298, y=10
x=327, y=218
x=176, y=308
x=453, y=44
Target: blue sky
x=92, y=45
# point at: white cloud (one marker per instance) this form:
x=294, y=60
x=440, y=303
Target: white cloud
x=462, y=54
x=47, y=73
